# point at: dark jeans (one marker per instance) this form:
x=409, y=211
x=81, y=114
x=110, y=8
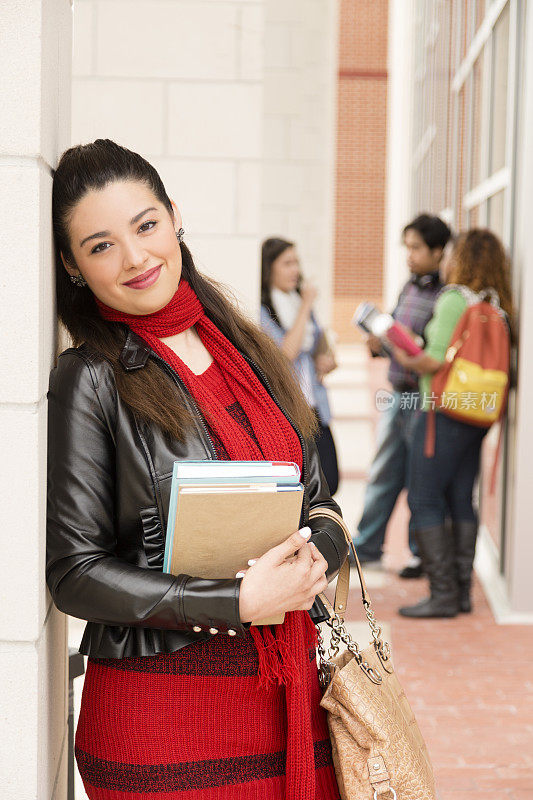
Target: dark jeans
x=443, y=485
x=388, y=475
x=328, y=455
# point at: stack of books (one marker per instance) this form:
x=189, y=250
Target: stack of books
x=387, y=329
x=223, y=513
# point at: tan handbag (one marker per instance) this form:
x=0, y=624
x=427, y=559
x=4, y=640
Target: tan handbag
x=378, y=750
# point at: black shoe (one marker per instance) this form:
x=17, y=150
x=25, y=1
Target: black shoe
x=429, y=608
x=465, y=536
x=437, y=551
x=412, y=572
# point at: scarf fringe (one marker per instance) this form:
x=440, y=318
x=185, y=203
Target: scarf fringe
x=276, y=650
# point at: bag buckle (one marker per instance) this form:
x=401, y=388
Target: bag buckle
x=379, y=777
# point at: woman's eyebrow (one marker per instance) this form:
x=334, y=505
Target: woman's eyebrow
x=133, y=220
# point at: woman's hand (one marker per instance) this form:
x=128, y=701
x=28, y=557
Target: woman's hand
x=324, y=364
x=374, y=344
x=286, y=578
x=308, y=293
x=421, y=363
x=292, y=341
x=402, y=358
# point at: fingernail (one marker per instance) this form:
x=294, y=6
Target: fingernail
x=239, y=575
x=251, y=561
x=305, y=532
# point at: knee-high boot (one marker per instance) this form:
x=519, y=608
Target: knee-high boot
x=465, y=536
x=437, y=551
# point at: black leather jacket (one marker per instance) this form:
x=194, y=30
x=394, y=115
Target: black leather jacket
x=109, y=478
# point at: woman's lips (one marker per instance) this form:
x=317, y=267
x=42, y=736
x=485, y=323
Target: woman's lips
x=146, y=279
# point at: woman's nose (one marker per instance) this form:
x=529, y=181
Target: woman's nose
x=134, y=255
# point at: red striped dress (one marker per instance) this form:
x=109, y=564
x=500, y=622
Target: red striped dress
x=194, y=724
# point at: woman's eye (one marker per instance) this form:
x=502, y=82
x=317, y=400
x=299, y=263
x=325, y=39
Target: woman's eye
x=103, y=245
x=150, y=223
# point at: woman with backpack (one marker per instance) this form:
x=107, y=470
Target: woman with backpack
x=463, y=387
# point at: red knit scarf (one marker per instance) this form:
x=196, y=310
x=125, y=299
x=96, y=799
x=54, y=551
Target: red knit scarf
x=284, y=654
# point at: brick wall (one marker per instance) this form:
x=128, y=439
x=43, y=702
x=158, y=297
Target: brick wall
x=361, y=159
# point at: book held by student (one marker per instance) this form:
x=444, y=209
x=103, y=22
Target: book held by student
x=222, y=513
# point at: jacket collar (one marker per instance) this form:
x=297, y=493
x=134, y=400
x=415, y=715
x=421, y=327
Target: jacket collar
x=135, y=352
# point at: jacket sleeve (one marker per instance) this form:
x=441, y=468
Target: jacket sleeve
x=327, y=535
x=85, y=576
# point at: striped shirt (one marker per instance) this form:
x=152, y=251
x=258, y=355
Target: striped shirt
x=414, y=309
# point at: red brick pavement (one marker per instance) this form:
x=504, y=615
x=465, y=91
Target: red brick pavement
x=470, y=684
x=469, y=681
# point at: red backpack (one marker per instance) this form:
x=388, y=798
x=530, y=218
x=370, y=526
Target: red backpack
x=473, y=383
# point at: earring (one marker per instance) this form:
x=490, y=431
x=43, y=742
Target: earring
x=78, y=280
x=180, y=234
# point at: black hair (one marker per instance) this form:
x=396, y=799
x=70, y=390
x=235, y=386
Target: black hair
x=432, y=229
x=87, y=167
x=147, y=392
x=271, y=249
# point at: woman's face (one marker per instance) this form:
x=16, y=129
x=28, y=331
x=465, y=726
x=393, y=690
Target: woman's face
x=285, y=271
x=122, y=232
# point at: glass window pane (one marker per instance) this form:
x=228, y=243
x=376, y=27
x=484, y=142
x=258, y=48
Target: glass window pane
x=478, y=169
x=451, y=121
x=463, y=152
x=496, y=205
x=500, y=69
x=480, y=12
x=491, y=504
x=470, y=21
x=441, y=94
x=473, y=217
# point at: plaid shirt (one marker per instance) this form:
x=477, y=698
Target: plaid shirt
x=414, y=310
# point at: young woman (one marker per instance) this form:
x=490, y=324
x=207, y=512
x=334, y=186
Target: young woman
x=287, y=316
x=444, y=484
x=183, y=698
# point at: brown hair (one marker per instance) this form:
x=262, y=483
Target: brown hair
x=479, y=261
x=271, y=249
x=146, y=392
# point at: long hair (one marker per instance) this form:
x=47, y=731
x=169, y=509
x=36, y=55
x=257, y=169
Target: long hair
x=479, y=261
x=270, y=251
x=147, y=392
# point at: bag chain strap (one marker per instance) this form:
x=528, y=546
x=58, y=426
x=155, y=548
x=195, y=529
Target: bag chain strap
x=336, y=621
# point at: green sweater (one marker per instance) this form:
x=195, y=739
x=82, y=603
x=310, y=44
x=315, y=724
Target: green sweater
x=438, y=332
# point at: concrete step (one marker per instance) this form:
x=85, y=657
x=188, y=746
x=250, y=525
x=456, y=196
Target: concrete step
x=354, y=440
x=352, y=354
x=350, y=496
x=347, y=375
x=351, y=402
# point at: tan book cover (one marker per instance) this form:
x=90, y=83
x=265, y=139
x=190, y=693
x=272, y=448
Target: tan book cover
x=215, y=533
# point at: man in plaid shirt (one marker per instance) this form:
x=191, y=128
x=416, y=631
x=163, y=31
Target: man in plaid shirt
x=425, y=239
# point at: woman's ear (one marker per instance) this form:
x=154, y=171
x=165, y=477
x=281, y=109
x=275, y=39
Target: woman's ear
x=71, y=270
x=178, y=222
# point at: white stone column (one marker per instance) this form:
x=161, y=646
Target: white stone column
x=34, y=128
x=181, y=83
x=399, y=116
x=301, y=64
